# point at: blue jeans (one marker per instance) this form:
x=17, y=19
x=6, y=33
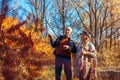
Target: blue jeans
x=67, y=68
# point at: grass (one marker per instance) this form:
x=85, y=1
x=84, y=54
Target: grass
x=48, y=73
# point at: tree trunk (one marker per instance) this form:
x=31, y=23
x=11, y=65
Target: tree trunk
x=111, y=38
x=106, y=42
x=63, y=15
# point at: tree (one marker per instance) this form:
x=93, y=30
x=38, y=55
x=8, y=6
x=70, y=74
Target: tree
x=97, y=17
x=62, y=14
x=3, y=10
x=39, y=9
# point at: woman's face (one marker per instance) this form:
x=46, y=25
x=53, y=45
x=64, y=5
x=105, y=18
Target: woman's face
x=84, y=37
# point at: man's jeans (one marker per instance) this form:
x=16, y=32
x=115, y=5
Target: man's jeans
x=67, y=68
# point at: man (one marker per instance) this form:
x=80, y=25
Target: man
x=63, y=48
x=85, y=59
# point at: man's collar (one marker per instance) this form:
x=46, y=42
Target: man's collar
x=65, y=36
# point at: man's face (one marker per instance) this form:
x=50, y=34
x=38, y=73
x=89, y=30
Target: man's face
x=68, y=32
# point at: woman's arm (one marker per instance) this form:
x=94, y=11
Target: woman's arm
x=91, y=52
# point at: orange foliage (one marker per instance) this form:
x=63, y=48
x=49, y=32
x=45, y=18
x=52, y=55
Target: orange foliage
x=20, y=57
x=8, y=22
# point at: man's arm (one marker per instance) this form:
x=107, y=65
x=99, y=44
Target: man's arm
x=73, y=48
x=55, y=43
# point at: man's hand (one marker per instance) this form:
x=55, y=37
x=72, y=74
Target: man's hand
x=66, y=47
x=50, y=36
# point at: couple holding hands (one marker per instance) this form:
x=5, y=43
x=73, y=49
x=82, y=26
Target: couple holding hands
x=85, y=60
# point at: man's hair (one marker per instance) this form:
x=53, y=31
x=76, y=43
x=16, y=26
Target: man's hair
x=69, y=28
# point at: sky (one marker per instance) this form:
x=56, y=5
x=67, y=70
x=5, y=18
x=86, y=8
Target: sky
x=27, y=7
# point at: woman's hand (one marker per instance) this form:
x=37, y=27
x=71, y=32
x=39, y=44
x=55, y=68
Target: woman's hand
x=85, y=52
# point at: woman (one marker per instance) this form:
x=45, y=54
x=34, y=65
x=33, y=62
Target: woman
x=85, y=63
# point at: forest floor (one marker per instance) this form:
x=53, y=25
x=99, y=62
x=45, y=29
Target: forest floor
x=48, y=73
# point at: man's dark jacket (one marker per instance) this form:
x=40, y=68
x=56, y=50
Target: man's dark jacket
x=56, y=43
